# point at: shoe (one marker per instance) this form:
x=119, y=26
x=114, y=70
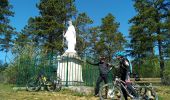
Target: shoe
x=96, y=95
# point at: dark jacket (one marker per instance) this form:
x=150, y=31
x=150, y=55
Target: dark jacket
x=123, y=66
x=104, y=67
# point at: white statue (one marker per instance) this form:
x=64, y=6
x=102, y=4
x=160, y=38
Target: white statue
x=70, y=36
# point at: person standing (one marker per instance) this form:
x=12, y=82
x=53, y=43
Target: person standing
x=125, y=70
x=104, y=69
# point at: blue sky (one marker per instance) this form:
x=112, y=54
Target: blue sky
x=96, y=9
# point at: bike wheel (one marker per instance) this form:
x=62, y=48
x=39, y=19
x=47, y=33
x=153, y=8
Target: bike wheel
x=56, y=81
x=58, y=84
x=33, y=84
x=150, y=94
x=50, y=86
x=110, y=92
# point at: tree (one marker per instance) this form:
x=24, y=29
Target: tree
x=47, y=29
x=111, y=40
x=167, y=41
x=93, y=38
x=81, y=24
x=149, y=28
x=6, y=31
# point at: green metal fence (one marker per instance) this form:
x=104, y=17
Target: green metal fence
x=72, y=70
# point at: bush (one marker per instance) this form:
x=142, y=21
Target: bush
x=9, y=75
x=166, y=74
x=2, y=68
x=28, y=60
x=149, y=68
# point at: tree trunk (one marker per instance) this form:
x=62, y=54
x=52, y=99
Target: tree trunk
x=159, y=39
x=161, y=58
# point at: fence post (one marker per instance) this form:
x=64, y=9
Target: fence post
x=67, y=73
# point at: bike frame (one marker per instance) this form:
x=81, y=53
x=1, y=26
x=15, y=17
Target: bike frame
x=122, y=84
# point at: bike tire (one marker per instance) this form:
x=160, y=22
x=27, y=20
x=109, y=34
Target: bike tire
x=50, y=86
x=58, y=84
x=110, y=92
x=150, y=94
x=33, y=85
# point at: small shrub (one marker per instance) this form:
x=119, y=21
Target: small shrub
x=147, y=69
x=166, y=74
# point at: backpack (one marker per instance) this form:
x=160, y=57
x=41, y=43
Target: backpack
x=130, y=65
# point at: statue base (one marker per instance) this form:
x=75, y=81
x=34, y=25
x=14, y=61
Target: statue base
x=70, y=69
x=70, y=51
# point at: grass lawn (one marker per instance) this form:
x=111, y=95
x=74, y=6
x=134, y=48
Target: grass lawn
x=7, y=93
x=163, y=92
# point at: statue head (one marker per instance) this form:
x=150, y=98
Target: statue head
x=69, y=22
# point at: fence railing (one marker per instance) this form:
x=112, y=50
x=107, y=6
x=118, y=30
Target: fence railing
x=71, y=70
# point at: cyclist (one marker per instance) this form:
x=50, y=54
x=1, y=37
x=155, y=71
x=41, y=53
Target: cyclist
x=125, y=70
x=104, y=69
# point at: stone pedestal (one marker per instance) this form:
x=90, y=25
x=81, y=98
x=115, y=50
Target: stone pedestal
x=70, y=69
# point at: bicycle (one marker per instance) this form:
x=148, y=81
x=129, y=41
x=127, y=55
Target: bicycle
x=147, y=92
x=51, y=83
x=113, y=91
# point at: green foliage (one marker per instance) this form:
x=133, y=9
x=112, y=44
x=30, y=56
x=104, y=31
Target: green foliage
x=93, y=39
x=47, y=29
x=104, y=39
x=150, y=30
x=19, y=68
x=6, y=30
x=147, y=68
x=166, y=78
x=29, y=60
x=82, y=23
x=111, y=40
x=2, y=68
x=167, y=41
x=9, y=75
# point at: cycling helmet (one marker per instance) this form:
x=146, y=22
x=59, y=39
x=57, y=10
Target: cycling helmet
x=120, y=53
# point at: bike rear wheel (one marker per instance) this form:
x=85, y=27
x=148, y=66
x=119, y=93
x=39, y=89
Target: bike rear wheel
x=110, y=92
x=50, y=86
x=33, y=84
x=56, y=82
x=148, y=93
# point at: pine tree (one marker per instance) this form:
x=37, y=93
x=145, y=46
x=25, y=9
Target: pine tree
x=82, y=23
x=47, y=29
x=6, y=30
x=167, y=35
x=149, y=28
x=111, y=40
x=92, y=44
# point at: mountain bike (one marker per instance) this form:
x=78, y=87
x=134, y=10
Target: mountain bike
x=52, y=83
x=146, y=92
x=113, y=91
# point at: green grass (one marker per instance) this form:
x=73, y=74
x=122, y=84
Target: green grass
x=163, y=92
x=7, y=93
